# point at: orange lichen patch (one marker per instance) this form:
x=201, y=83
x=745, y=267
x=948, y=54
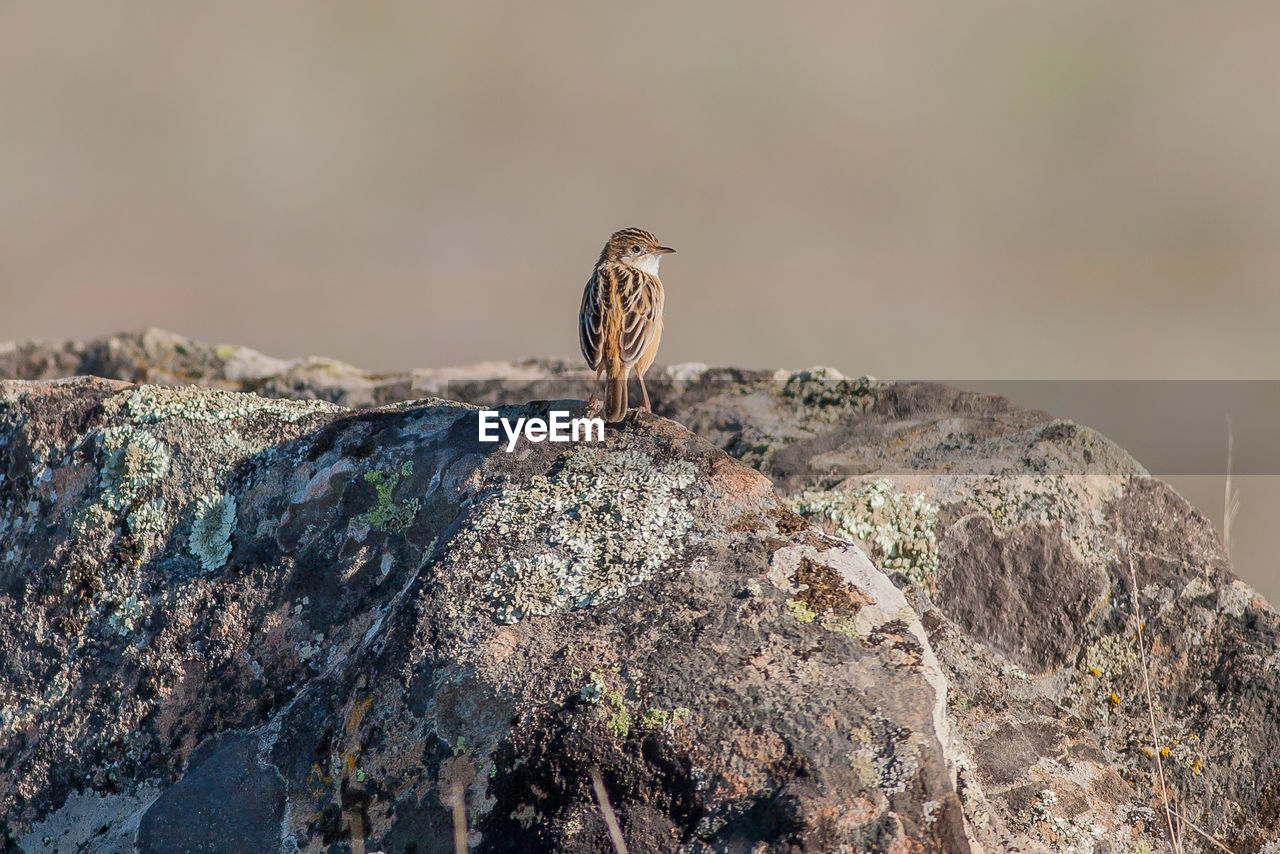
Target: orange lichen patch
x=735, y=479
x=760, y=748
x=859, y=811
x=357, y=714
x=906, y=845
x=502, y=645
x=823, y=590
x=753, y=762
x=731, y=785
x=68, y=484
x=850, y=815
x=275, y=650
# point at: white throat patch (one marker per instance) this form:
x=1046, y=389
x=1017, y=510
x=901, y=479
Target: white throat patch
x=649, y=264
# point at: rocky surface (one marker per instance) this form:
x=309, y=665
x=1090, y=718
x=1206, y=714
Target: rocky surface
x=341, y=619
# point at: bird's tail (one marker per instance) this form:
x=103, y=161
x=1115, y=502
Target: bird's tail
x=615, y=396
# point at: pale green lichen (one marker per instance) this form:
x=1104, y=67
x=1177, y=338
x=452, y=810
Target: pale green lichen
x=1101, y=664
x=125, y=617
x=619, y=720
x=148, y=519
x=1075, y=834
x=896, y=527
x=133, y=459
x=654, y=719
x=387, y=513
x=846, y=626
x=618, y=715
x=90, y=518
x=210, y=538
x=16, y=716
x=150, y=403
x=604, y=523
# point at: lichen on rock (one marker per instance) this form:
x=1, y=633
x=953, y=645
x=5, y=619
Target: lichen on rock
x=210, y=538
x=133, y=459
x=742, y=696
x=152, y=403
x=605, y=522
x=896, y=527
x=388, y=514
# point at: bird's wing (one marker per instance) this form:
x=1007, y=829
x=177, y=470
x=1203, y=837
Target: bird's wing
x=591, y=322
x=640, y=295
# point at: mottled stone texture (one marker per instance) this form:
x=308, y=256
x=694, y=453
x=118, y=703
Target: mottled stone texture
x=242, y=623
x=402, y=615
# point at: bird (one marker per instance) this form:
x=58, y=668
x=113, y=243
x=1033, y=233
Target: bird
x=620, y=322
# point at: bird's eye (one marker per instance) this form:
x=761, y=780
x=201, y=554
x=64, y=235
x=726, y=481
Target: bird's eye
x=635, y=249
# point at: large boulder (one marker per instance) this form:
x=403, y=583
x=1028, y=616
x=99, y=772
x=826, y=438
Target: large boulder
x=234, y=623
x=1059, y=585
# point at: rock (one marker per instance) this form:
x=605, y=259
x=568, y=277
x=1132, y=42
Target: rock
x=228, y=621
x=1031, y=549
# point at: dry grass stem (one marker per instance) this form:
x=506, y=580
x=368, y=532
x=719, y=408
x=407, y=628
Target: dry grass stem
x=1151, y=715
x=1217, y=843
x=1231, y=497
x=458, y=805
x=606, y=811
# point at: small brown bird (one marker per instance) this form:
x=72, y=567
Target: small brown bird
x=620, y=323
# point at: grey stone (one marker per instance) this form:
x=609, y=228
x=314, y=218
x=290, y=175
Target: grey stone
x=439, y=627
x=225, y=801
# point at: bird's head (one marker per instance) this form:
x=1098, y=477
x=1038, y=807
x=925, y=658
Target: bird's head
x=635, y=247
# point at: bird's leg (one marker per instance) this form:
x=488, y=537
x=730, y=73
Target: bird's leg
x=644, y=391
x=594, y=405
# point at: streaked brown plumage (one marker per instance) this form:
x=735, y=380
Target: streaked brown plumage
x=620, y=323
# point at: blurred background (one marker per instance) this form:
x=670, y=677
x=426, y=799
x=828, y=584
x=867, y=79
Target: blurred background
x=968, y=192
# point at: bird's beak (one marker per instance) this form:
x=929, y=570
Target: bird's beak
x=663, y=250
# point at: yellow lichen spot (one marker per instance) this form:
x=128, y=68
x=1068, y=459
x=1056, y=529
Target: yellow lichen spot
x=1093, y=671
x=654, y=719
x=1164, y=751
x=1195, y=767
x=1115, y=699
x=801, y=611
